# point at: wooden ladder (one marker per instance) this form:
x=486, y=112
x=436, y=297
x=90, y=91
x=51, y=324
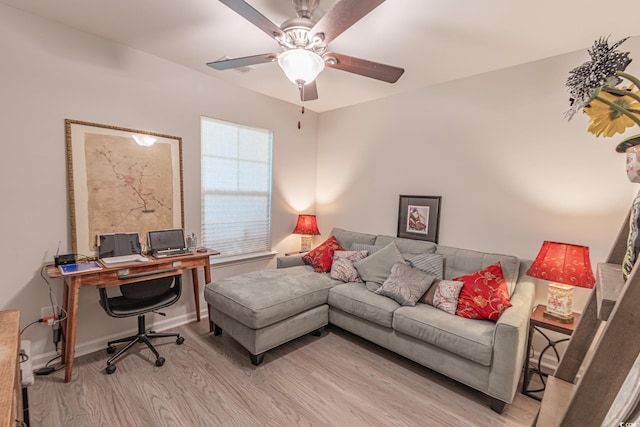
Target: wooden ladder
x=607, y=359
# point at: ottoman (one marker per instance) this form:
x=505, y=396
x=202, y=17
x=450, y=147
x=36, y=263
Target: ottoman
x=263, y=309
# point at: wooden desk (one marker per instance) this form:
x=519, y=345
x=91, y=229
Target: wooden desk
x=121, y=275
x=10, y=385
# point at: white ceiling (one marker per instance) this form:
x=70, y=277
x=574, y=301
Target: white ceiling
x=434, y=41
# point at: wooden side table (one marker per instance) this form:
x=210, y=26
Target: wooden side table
x=537, y=322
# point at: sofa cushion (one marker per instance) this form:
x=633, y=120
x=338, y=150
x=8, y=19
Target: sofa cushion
x=484, y=294
x=347, y=238
x=357, y=300
x=261, y=298
x=407, y=246
x=342, y=267
x=458, y=262
x=471, y=339
x=443, y=295
x=375, y=268
x=321, y=257
x=405, y=285
x=429, y=263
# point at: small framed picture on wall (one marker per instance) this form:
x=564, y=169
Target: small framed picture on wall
x=419, y=217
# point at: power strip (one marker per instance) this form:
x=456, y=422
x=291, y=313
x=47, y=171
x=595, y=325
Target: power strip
x=45, y=371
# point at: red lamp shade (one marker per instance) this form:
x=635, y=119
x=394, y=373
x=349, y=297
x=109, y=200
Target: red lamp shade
x=307, y=225
x=563, y=263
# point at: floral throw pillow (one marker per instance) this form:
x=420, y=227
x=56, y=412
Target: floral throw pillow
x=342, y=267
x=484, y=295
x=443, y=295
x=321, y=257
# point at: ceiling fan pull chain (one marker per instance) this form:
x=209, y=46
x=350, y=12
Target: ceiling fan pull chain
x=301, y=112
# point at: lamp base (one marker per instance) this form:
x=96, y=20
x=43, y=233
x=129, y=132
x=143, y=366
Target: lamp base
x=560, y=318
x=305, y=243
x=559, y=302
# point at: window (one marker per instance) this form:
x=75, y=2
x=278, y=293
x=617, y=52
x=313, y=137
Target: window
x=236, y=187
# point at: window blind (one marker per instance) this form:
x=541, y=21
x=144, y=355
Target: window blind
x=236, y=170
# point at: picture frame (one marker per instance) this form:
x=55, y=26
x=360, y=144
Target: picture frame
x=121, y=180
x=419, y=217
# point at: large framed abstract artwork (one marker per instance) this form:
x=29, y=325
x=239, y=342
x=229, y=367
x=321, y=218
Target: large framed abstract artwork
x=121, y=180
x=419, y=217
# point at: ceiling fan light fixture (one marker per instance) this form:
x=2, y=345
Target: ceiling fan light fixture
x=301, y=66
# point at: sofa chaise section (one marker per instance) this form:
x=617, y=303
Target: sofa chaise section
x=264, y=309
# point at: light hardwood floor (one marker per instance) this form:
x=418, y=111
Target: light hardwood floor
x=337, y=379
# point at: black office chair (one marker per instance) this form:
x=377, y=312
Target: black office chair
x=136, y=300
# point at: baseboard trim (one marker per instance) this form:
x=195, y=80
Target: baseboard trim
x=82, y=349
x=549, y=362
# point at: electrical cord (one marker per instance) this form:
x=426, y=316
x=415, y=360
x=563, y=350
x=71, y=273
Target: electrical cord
x=32, y=323
x=55, y=327
x=55, y=368
x=62, y=313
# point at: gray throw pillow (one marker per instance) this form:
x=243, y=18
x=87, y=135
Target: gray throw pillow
x=375, y=268
x=371, y=249
x=405, y=285
x=429, y=263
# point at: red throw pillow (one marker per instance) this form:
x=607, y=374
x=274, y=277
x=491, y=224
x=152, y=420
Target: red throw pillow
x=321, y=257
x=485, y=294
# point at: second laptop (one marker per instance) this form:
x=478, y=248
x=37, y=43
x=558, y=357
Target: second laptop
x=166, y=243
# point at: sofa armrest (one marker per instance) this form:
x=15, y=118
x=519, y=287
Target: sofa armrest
x=289, y=261
x=510, y=340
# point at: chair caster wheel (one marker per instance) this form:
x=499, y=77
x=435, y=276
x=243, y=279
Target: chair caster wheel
x=110, y=369
x=111, y=349
x=160, y=361
x=180, y=340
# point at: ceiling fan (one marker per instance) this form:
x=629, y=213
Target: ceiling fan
x=305, y=43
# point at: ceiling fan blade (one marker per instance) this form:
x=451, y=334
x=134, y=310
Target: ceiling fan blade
x=375, y=70
x=225, y=64
x=341, y=16
x=256, y=18
x=309, y=92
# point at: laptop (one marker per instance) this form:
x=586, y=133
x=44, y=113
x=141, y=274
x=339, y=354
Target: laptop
x=167, y=243
x=117, y=248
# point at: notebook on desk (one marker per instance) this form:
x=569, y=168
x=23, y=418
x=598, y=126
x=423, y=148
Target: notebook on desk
x=167, y=243
x=119, y=248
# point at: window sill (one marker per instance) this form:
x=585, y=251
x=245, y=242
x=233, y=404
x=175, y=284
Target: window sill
x=241, y=259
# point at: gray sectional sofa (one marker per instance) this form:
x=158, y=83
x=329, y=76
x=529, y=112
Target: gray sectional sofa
x=264, y=309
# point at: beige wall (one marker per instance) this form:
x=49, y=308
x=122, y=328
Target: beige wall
x=511, y=171
x=51, y=72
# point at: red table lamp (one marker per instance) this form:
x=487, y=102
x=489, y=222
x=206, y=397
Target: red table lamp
x=307, y=226
x=568, y=265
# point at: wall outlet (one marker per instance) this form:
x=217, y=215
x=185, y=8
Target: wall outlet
x=48, y=315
